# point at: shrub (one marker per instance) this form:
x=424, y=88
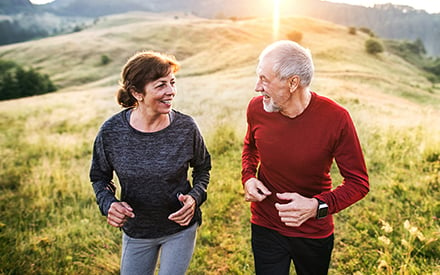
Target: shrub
x=433, y=67
x=225, y=140
x=352, y=30
x=295, y=36
x=105, y=59
x=367, y=31
x=373, y=46
x=78, y=28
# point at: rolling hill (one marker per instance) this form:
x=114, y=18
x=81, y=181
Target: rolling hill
x=21, y=21
x=218, y=59
x=49, y=222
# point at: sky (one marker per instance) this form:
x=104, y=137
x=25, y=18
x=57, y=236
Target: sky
x=40, y=2
x=430, y=6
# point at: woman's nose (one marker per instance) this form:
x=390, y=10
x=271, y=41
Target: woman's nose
x=171, y=90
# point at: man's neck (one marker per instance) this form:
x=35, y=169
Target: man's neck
x=298, y=103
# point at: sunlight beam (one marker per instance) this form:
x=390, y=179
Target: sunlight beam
x=276, y=19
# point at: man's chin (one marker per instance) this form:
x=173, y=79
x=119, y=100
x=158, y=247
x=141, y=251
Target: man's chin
x=270, y=108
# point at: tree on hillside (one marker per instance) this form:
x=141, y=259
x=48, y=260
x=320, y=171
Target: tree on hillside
x=415, y=53
x=372, y=46
x=12, y=32
x=8, y=86
x=16, y=82
x=6, y=65
x=433, y=67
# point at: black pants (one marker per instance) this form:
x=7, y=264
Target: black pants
x=274, y=252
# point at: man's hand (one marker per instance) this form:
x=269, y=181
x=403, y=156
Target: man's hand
x=185, y=214
x=118, y=214
x=254, y=190
x=298, y=210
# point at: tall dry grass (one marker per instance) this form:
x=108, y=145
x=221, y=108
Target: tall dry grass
x=50, y=224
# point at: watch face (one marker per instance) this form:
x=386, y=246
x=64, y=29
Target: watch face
x=322, y=210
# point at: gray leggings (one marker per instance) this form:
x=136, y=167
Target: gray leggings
x=139, y=256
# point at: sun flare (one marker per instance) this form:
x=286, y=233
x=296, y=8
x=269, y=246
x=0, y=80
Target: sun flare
x=276, y=19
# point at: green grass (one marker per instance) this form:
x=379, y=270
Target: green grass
x=50, y=223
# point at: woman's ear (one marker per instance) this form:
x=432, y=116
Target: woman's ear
x=136, y=95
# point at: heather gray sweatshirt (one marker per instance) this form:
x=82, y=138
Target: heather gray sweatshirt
x=152, y=168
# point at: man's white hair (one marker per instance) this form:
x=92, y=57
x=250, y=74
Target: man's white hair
x=289, y=59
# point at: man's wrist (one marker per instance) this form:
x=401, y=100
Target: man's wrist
x=321, y=210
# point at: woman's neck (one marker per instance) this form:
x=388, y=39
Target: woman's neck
x=142, y=121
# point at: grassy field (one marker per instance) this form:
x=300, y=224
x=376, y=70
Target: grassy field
x=50, y=223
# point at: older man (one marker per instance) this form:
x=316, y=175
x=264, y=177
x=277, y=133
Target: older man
x=293, y=136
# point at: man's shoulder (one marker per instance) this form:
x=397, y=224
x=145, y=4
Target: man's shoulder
x=255, y=102
x=328, y=103
x=256, y=99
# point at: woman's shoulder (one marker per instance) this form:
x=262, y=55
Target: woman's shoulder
x=184, y=121
x=182, y=117
x=115, y=121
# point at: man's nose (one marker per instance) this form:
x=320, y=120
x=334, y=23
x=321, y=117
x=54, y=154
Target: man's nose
x=258, y=87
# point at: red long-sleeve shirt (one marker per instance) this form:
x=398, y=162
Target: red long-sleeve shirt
x=295, y=155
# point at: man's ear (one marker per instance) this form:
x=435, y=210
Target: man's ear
x=293, y=83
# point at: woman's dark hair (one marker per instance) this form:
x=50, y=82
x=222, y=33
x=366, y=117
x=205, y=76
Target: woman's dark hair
x=140, y=69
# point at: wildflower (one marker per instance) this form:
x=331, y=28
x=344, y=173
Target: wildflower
x=413, y=230
x=386, y=226
x=385, y=240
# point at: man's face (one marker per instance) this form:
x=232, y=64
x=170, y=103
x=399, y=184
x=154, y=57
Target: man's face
x=276, y=92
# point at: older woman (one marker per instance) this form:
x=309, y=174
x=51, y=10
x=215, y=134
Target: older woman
x=150, y=147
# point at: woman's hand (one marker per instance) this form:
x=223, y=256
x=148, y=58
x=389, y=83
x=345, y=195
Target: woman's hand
x=118, y=214
x=185, y=214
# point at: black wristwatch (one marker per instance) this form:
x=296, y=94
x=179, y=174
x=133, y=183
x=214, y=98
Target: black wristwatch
x=322, y=211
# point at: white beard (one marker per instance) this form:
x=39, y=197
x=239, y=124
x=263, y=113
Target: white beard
x=270, y=107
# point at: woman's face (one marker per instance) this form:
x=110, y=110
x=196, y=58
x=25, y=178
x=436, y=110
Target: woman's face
x=159, y=94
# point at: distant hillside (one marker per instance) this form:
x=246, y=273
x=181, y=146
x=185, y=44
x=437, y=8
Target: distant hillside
x=387, y=21
x=208, y=47
x=15, y=6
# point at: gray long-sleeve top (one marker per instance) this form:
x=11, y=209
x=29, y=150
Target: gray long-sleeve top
x=152, y=168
